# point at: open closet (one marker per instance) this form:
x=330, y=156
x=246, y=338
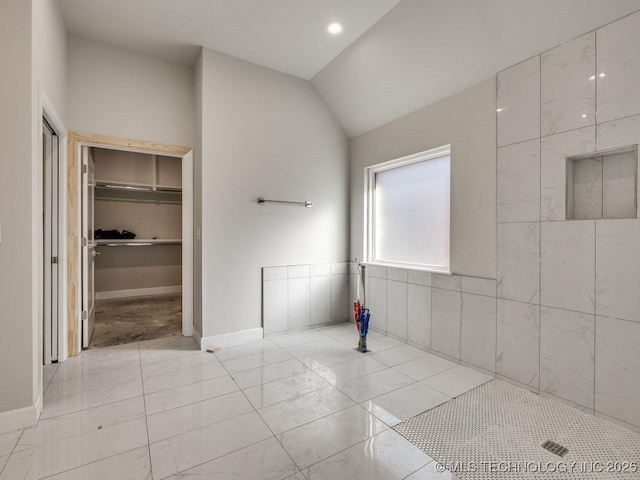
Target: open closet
x=137, y=255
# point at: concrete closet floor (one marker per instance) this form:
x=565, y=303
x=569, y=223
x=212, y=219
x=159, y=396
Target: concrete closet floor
x=304, y=406
x=135, y=319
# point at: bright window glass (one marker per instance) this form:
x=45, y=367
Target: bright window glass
x=410, y=211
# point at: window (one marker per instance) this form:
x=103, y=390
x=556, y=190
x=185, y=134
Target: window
x=408, y=211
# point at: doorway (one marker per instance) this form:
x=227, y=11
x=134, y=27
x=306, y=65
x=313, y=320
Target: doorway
x=50, y=241
x=135, y=247
x=111, y=189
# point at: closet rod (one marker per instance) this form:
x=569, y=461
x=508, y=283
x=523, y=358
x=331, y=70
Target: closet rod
x=262, y=201
x=138, y=244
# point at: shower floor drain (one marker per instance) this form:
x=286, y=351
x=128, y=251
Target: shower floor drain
x=556, y=448
x=495, y=431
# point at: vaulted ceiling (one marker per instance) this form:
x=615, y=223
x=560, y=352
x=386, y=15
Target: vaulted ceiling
x=394, y=56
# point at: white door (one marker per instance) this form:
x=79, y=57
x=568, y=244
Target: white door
x=50, y=217
x=89, y=252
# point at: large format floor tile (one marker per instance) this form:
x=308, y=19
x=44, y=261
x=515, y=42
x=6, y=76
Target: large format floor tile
x=404, y=403
x=266, y=410
x=345, y=371
x=265, y=461
x=83, y=422
x=131, y=465
x=307, y=408
x=193, y=416
x=374, y=384
x=190, y=449
x=192, y=393
x=57, y=457
x=281, y=390
x=385, y=456
x=456, y=381
x=424, y=366
x=269, y=373
x=315, y=441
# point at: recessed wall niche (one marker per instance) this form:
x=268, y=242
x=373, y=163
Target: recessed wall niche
x=602, y=184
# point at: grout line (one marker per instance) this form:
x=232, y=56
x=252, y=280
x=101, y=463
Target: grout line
x=146, y=417
x=595, y=239
x=595, y=308
x=245, y=446
x=88, y=408
x=13, y=450
x=540, y=239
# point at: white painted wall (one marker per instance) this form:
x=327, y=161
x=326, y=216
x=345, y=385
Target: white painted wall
x=112, y=91
x=49, y=66
x=16, y=294
x=264, y=134
x=467, y=122
x=32, y=53
x=50, y=53
x=197, y=201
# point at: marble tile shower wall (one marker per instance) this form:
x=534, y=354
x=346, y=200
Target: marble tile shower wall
x=450, y=315
x=297, y=297
x=568, y=292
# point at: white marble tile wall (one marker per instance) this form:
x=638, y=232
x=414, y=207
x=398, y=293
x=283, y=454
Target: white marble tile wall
x=567, y=357
x=618, y=74
x=518, y=261
x=568, y=265
x=568, y=86
x=519, y=182
x=519, y=102
x=568, y=308
x=451, y=315
x=478, y=330
x=446, y=306
x=518, y=342
x=617, y=383
x=586, y=188
x=618, y=269
x=554, y=150
x=618, y=185
x=298, y=297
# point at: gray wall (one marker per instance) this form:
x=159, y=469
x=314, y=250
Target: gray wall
x=197, y=201
x=264, y=134
x=17, y=294
x=30, y=32
x=116, y=92
x=467, y=122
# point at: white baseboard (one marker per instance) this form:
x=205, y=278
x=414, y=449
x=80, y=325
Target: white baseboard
x=138, y=292
x=232, y=339
x=21, y=417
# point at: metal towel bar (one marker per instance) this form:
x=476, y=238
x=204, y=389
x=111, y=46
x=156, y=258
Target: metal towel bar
x=262, y=201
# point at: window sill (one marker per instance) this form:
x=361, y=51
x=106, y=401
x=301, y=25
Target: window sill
x=407, y=266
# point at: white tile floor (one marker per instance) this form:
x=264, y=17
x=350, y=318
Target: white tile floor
x=301, y=406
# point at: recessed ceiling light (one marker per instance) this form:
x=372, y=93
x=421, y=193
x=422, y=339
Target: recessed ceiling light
x=584, y=115
x=602, y=75
x=498, y=110
x=335, y=28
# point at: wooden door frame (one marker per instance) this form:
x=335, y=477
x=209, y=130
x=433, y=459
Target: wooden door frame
x=78, y=140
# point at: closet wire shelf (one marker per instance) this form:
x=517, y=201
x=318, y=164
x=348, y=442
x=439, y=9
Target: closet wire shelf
x=138, y=243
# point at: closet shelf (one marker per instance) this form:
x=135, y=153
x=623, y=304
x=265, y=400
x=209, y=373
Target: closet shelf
x=137, y=242
x=142, y=187
x=135, y=187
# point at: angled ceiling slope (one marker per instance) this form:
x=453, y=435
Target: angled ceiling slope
x=425, y=50
x=285, y=35
x=395, y=56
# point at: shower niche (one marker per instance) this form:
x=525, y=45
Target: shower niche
x=603, y=184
